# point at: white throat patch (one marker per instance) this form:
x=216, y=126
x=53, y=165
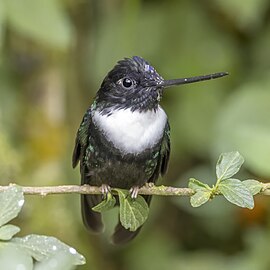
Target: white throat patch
x=132, y=132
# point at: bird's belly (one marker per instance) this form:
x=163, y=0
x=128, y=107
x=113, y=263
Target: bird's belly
x=132, y=132
x=109, y=167
x=123, y=175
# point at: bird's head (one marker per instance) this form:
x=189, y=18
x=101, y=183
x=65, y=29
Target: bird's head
x=134, y=84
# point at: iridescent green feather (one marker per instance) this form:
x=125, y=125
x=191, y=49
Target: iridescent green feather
x=159, y=162
x=165, y=150
x=81, y=138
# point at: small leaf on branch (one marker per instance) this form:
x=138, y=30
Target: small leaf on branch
x=59, y=261
x=237, y=193
x=202, y=195
x=197, y=185
x=253, y=186
x=133, y=212
x=42, y=247
x=11, y=201
x=11, y=257
x=228, y=165
x=8, y=231
x=106, y=204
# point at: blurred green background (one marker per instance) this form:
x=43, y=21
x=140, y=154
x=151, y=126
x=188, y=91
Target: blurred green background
x=53, y=57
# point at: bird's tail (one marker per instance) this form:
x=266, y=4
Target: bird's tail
x=91, y=219
x=122, y=235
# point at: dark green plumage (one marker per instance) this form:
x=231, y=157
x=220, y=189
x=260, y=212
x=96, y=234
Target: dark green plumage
x=101, y=163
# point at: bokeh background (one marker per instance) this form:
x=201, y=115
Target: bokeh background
x=53, y=57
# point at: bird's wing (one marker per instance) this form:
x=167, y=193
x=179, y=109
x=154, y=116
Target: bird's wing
x=164, y=155
x=91, y=219
x=165, y=150
x=82, y=138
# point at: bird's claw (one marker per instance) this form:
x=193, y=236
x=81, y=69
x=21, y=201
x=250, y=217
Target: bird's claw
x=134, y=192
x=105, y=190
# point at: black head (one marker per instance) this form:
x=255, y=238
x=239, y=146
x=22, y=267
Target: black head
x=133, y=83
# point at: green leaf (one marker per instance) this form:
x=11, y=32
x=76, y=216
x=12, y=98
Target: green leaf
x=197, y=185
x=11, y=202
x=228, y=164
x=133, y=212
x=60, y=261
x=13, y=258
x=42, y=247
x=202, y=195
x=237, y=193
x=106, y=204
x=253, y=186
x=44, y=21
x=8, y=231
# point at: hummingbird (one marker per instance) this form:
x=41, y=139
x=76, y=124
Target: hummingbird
x=123, y=140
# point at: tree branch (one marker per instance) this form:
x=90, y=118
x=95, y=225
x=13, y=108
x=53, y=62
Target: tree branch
x=149, y=189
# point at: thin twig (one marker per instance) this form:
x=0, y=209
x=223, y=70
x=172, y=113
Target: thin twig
x=149, y=189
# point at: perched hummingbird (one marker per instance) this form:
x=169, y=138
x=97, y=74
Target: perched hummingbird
x=124, y=137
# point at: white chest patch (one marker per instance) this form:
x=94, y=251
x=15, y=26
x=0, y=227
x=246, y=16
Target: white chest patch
x=132, y=132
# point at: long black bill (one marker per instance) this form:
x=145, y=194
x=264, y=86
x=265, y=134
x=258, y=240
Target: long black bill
x=168, y=83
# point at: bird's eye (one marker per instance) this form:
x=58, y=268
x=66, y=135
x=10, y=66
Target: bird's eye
x=127, y=83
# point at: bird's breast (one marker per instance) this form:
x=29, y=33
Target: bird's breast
x=132, y=132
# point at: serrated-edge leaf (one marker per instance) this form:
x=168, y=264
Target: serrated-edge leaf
x=106, y=204
x=197, y=185
x=11, y=202
x=254, y=186
x=236, y=193
x=228, y=165
x=200, y=197
x=42, y=247
x=133, y=212
x=8, y=231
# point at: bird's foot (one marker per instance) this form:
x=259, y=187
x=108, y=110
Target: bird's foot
x=149, y=184
x=105, y=190
x=134, y=192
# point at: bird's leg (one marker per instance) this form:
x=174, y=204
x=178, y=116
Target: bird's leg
x=134, y=192
x=105, y=189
